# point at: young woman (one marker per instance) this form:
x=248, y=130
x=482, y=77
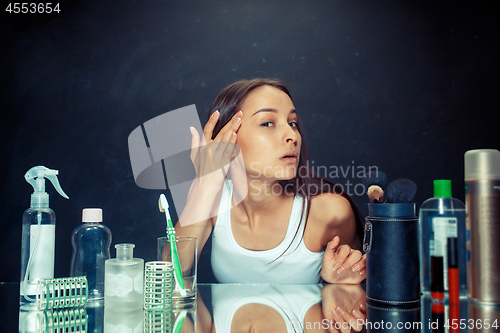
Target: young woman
x=274, y=221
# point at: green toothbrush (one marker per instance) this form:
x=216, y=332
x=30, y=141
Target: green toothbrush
x=163, y=203
x=179, y=322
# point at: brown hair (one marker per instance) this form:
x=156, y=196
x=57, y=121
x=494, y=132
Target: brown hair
x=229, y=101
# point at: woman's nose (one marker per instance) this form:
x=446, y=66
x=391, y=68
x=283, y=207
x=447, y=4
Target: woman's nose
x=290, y=135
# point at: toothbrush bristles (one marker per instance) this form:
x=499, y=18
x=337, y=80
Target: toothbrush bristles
x=159, y=205
x=163, y=204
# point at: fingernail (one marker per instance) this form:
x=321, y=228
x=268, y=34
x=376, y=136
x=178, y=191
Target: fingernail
x=237, y=121
x=341, y=269
x=215, y=114
x=336, y=266
x=336, y=315
x=340, y=311
x=356, y=268
x=356, y=314
x=191, y=129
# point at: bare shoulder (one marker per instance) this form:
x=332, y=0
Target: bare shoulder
x=331, y=215
x=331, y=209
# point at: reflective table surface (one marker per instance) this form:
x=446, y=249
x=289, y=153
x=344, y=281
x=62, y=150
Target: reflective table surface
x=257, y=308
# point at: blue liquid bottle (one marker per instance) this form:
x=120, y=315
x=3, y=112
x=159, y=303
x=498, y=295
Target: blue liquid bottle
x=91, y=242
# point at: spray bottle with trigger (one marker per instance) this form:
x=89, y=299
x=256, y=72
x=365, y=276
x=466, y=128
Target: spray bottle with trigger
x=38, y=235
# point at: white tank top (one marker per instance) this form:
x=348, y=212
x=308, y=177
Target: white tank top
x=232, y=263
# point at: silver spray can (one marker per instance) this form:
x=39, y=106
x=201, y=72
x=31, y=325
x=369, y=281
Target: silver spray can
x=482, y=197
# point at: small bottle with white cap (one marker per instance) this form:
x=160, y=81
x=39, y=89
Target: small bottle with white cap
x=91, y=242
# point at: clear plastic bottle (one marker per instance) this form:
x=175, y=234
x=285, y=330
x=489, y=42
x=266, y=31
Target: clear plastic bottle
x=38, y=235
x=124, y=279
x=440, y=218
x=91, y=242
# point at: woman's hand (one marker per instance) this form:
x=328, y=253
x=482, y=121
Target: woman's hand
x=211, y=160
x=210, y=155
x=341, y=264
x=344, y=306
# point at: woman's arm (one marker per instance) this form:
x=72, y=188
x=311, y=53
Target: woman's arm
x=210, y=158
x=335, y=229
x=205, y=322
x=193, y=221
x=334, y=217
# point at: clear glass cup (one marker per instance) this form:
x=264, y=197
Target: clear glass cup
x=187, y=249
x=185, y=319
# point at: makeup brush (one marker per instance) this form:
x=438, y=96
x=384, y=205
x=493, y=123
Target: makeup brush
x=375, y=182
x=401, y=190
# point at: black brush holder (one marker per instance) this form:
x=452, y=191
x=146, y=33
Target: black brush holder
x=380, y=319
x=392, y=260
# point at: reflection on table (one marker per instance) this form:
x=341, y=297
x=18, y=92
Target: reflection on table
x=284, y=308
x=259, y=308
x=219, y=308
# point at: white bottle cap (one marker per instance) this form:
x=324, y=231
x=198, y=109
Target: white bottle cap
x=92, y=215
x=482, y=164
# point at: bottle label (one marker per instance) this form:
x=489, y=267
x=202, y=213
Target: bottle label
x=42, y=243
x=443, y=227
x=139, y=283
x=121, y=285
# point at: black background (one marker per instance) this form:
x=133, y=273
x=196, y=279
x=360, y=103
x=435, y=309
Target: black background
x=407, y=86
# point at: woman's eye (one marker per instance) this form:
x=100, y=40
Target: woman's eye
x=267, y=124
x=293, y=124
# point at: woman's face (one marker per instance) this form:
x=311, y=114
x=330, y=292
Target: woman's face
x=268, y=137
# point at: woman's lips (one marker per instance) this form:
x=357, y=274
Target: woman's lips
x=290, y=157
